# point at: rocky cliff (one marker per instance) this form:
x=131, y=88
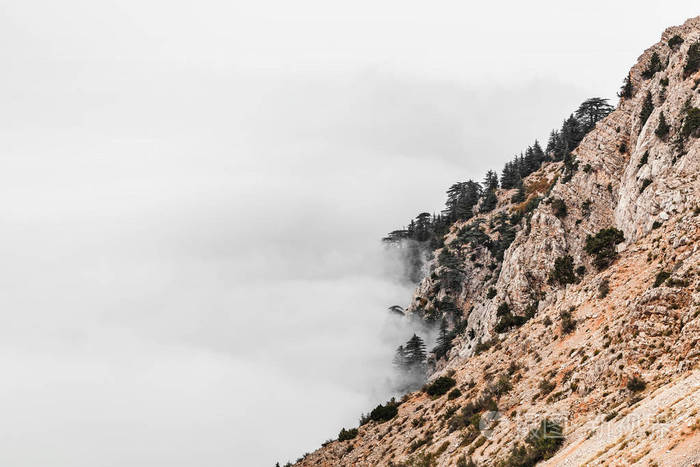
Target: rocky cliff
x=581, y=344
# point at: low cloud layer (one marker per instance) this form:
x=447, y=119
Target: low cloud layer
x=193, y=273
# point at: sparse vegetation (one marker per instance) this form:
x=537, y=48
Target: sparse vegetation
x=661, y=278
x=546, y=386
x=691, y=123
x=675, y=41
x=663, y=128
x=647, y=108
x=440, y=386
x=381, y=413
x=540, y=444
x=559, y=208
x=604, y=288
x=602, y=246
x=568, y=324
x=345, y=435
x=653, y=67
x=636, y=384
x=643, y=160
x=563, y=272
x=693, y=63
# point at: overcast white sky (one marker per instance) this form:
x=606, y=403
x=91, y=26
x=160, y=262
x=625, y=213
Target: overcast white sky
x=193, y=194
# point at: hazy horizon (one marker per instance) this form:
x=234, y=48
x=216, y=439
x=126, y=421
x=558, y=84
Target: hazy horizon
x=195, y=194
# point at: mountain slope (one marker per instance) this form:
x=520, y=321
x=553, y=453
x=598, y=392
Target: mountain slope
x=592, y=319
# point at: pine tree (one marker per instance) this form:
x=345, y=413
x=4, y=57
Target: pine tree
x=591, y=111
x=653, y=67
x=539, y=154
x=400, y=360
x=489, y=202
x=491, y=180
x=663, y=127
x=415, y=352
x=443, y=341
x=626, y=90
x=647, y=108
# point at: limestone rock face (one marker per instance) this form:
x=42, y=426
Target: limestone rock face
x=587, y=345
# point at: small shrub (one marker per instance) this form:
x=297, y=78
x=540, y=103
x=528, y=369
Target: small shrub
x=636, y=384
x=656, y=225
x=508, y=321
x=503, y=385
x=491, y=293
x=675, y=41
x=345, y=435
x=381, y=413
x=547, y=321
x=662, y=128
x=604, y=288
x=691, y=122
x=568, y=324
x=647, y=108
x=563, y=272
x=653, y=67
x=440, y=386
x=503, y=309
x=559, y=208
x=661, y=278
x=586, y=207
x=546, y=387
x=602, y=246
x=541, y=444
x=693, y=63
x=482, y=347
x=454, y=394
x=643, y=160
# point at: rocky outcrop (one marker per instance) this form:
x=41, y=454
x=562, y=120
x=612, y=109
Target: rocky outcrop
x=613, y=355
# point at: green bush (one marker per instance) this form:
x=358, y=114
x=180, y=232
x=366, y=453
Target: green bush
x=693, y=63
x=454, y=394
x=508, y=321
x=491, y=293
x=675, y=41
x=568, y=324
x=636, y=384
x=653, y=67
x=563, y=272
x=503, y=309
x=647, y=109
x=540, y=444
x=663, y=127
x=645, y=183
x=440, y=386
x=559, y=208
x=602, y=246
x=643, y=160
x=546, y=386
x=381, y=413
x=691, y=122
x=345, y=435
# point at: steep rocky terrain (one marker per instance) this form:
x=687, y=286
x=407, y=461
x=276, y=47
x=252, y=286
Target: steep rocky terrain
x=606, y=346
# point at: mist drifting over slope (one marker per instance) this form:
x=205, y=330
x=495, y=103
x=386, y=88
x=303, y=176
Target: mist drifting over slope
x=193, y=208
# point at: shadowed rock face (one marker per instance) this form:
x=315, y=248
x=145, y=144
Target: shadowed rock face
x=581, y=358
